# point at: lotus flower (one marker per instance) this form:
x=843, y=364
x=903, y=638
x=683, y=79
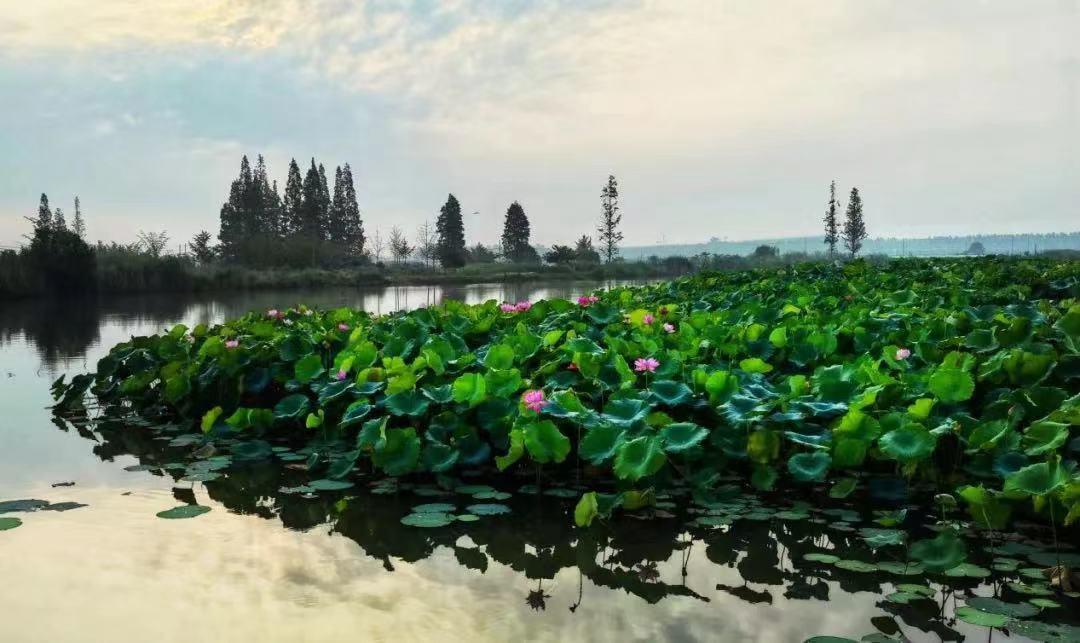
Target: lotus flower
x=648, y=319
x=669, y=328
x=232, y=343
x=587, y=300
x=508, y=308
x=343, y=328
x=274, y=313
x=534, y=400
x=664, y=311
x=341, y=375
x=572, y=367
x=523, y=306
x=902, y=353
x=646, y=364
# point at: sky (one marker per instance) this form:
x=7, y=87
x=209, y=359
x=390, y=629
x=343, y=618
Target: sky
x=719, y=118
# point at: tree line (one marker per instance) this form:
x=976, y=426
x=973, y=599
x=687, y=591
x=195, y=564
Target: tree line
x=852, y=232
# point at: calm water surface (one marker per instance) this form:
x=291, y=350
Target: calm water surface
x=267, y=566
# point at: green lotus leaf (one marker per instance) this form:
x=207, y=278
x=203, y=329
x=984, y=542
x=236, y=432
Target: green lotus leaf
x=755, y=365
x=639, y=458
x=470, y=388
x=355, y=413
x=720, y=386
x=909, y=443
x=439, y=458
x=292, y=407
x=1045, y=436
x=671, y=393
x=940, y=553
x=488, y=509
x=410, y=403
x=877, y=538
x=809, y=467
x=818, y=557
x=586, y=510
x=9, y=523
x=329, y=485
x=427, y=520
x=308, y=368
x=978, y=617
x=987, y=508
x=682, y=436
x=503, y=384
x=952, y=385
x=499, y=357
x=398, y=453
x=545, y=443
x=600, y=443
x=1037, y=479
x=764, y=477
x=516, y=450
x=992, y=605
x=856, y=566
x=183, y=511
x=434, y=507
x=843, y=488
x=967, y=570
x=626, y=412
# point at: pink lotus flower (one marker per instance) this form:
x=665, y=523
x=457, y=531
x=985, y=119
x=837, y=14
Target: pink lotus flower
x=587, y=300
x=341, y=375
x=523, y=306
x=343, y=327
x=902, y=353
x=274, y=313
x=508, y=308
x=664, y=311
x=232, y=343
x=669, y=328
x=646, y=364
x=534, y=400
x=648, y=319
x=573, y=367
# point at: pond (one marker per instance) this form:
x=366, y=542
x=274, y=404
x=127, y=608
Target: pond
x=268, y=563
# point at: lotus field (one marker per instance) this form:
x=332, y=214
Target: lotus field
x=947, y=384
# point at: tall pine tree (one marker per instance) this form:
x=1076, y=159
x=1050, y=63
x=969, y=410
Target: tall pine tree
x=354, y=227
x=324, y=204
x=43, y=222
x=854, y=225
x=832, y=232
x=311, y=205
x=451, y=230
x=292, y=203
x=78, y=225
x=336, y=219
x=515, y=236
x=609, y=235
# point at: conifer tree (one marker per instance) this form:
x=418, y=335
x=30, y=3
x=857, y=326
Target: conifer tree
x=854, y=225
x=324, y=205
x=200, y=247
x=311, y=205
x=354, y=226
x=234, y=214
x=292, y=203
x=584, y=250
x=831, y=228
x=43, y=223
x=609, y=234
x=336, y=218
x=262, y=215
x=515, y=236
x=59, y=223
x=451, y=231
x=78, y=225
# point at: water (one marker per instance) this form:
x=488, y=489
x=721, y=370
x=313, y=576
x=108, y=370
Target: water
x=268, y=566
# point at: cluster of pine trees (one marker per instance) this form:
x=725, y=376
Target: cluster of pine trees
x=852, y=232
x=307, y=225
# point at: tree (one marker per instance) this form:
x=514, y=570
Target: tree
x=451, y=232
x=236, y=215
x=427, y=243
x=515, y=236
x=264, y=217
x=584, y=251
x=324, y=205
x=58, y=221
x=65, y=262
x=292, y=203
x=353, y=225
x=854, y=226
x=609, y=235
x=560, y=255
x=43, y=223
x=481, y=254
x=399, y=245
x=766, y=252
x=200, y=247
x=78, y=225
x=377, y=245
x=976, y=248
x=153, y=243
x=831, y=232
x=335, y=225
x=312, y=213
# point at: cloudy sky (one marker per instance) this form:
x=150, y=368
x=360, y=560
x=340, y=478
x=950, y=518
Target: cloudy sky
x=719, y=118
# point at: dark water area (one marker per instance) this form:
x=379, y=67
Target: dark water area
x=268, y=563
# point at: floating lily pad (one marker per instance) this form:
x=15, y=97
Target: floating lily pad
x=31, y=504
x=143, y=467
x=434, y=507
x=473, y=489
x=492, y=495
x=856, y=566
x=9, y=523
x=183, y=511
x=296, y=490
x=901, y=568
x=64, y=506
x=558, y=492
x=967, y=570
x=326, y=484
x=201, y=476
x=903, y=598
x=978, y=617
x=466, y=517
x=427, y=520
x=1044, y=603
x=998, y=606
x=911, y=588
x=1031, y=590
x=488, y=509
x=817, y=557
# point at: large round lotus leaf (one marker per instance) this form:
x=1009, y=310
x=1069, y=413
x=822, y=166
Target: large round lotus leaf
x=473, y=489
x=671, y=393
x=330, y=485
x=200, y=476
x=901, y=568
x=309, y=367
x=1045, y=436
x=682, y=436
x=967, y=570
x=942, y=552
x=398, y=453
x=1042, y=631
x=903, y=598
x=183, y=511
x=558, y=492
x=499, y=357
x=9, y=523
x=1037, y=479
x=809, y=467
x=1045, y=603
x=713, y=521
x=600, y=443
x=1036, y=589
x=625, y=412
x=998, y=606
x=877, y=538
x=427, y=519
x=488, y=509
x=818, y=557
x=545, y=443
x=494, y=495
x=910, y=443
x=856, y=566
x=292, y=407
x=922, y=590
x=434, y=507
x=639, y=458
x=252, y=450
x=843, y=488
x=355, y=413
x=31, y=504
x=466, y=517
x=407, y=403
x=952, y=384
x=977, y=617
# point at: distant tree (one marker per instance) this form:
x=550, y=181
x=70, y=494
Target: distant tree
x=377, y=245
x=515, y=236
x=324, y=204
x=64, y=262
x=236, y=224
x=976, y=248
x=854, y=225
x=153, y=243
x=201, y=248
x=43, y=223
x=584, y=251
x=399, y=245
x=335, y=224
x=78, y=225
x=451, y=230
x=264, y=205
x=353, y=225
x=313, y=207
x=59, y=223
x=480, y=254
x=560, y=255
x=832, y=235
x=292, y=203
x=427, y=245
x=609, y=234
x=766, y=252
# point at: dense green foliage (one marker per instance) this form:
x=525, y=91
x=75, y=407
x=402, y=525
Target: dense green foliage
x=961, y=374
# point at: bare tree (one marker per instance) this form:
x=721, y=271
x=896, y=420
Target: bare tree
x=153, y=243
x=377, y=245
x=399, y=245
x=427, y=243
